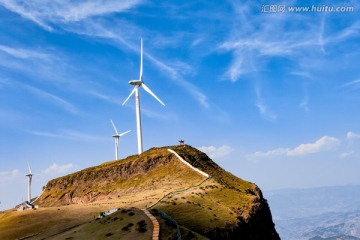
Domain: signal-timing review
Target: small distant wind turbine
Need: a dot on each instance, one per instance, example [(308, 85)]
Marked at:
[(138, 84), (29, 175), (117, 136)]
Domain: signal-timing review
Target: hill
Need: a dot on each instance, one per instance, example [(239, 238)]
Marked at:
[(221, 206)]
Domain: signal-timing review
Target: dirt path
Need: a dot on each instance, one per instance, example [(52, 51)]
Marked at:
[(156, 225)]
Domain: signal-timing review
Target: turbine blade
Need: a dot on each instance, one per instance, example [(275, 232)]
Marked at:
[(122, 134), (141, 60), (132, 92), (29, 168), (114, 126), (151, 93)]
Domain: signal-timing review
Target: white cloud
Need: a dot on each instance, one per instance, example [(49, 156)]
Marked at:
[(272, 153), (352, 136), (216, 152), (323, 144), (346, 154), (55, 169), (4, 176)]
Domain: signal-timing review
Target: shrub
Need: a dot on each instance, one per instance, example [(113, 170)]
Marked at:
[(141, 226)]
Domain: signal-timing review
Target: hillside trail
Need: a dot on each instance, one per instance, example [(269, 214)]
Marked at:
[(156, 225), (177, 192)]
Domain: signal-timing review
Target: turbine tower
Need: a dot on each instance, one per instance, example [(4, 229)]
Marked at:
[(29, 175), (138, 84), (116, 136)]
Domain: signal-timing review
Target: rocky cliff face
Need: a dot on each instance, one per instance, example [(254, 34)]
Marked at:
[(220, 207)]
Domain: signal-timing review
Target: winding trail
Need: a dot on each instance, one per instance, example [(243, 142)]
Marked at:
[(156, 225), (176, 192), (156, 231)]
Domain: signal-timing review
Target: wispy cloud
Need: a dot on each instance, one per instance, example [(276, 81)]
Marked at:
[(56, 100), (323, 144), (53, 98), (68, 134), (346, 33), (304, 104), (355, 84), (352, 136), (304, 74), (63, 11), (180, 80), (253, 39), (346, 154), (165, 116), (56, 169), (217, 152), (70, 16), (25, 60), (23, 53), (5, 176), (252, 47), (263, 109), (173, 70)]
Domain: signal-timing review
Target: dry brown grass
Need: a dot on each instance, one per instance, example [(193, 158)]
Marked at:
[(138, 181)]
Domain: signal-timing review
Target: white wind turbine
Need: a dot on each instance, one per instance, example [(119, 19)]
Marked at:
[(116, 137), (138, 84), (29, 175)]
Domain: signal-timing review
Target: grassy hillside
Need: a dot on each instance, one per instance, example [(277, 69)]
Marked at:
[(44, 222), (220, 207)]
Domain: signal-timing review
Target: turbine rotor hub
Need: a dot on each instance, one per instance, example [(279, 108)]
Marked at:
[(136, 82)]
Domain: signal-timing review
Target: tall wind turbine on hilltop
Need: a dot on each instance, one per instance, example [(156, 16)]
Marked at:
[(116, 136), (29, 175), (138, 84)]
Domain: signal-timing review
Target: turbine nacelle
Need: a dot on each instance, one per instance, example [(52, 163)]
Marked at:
[(136, 82)]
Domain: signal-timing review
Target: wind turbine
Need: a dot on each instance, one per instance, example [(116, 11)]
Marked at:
[(29, 175), (116, 137), (138, 84)]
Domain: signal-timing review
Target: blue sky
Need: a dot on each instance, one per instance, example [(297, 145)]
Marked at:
[(272, 97)]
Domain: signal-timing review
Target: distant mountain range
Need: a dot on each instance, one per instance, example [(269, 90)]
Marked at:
[(325, 213)]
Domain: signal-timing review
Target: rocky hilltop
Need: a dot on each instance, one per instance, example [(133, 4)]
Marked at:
[(220, 206)]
